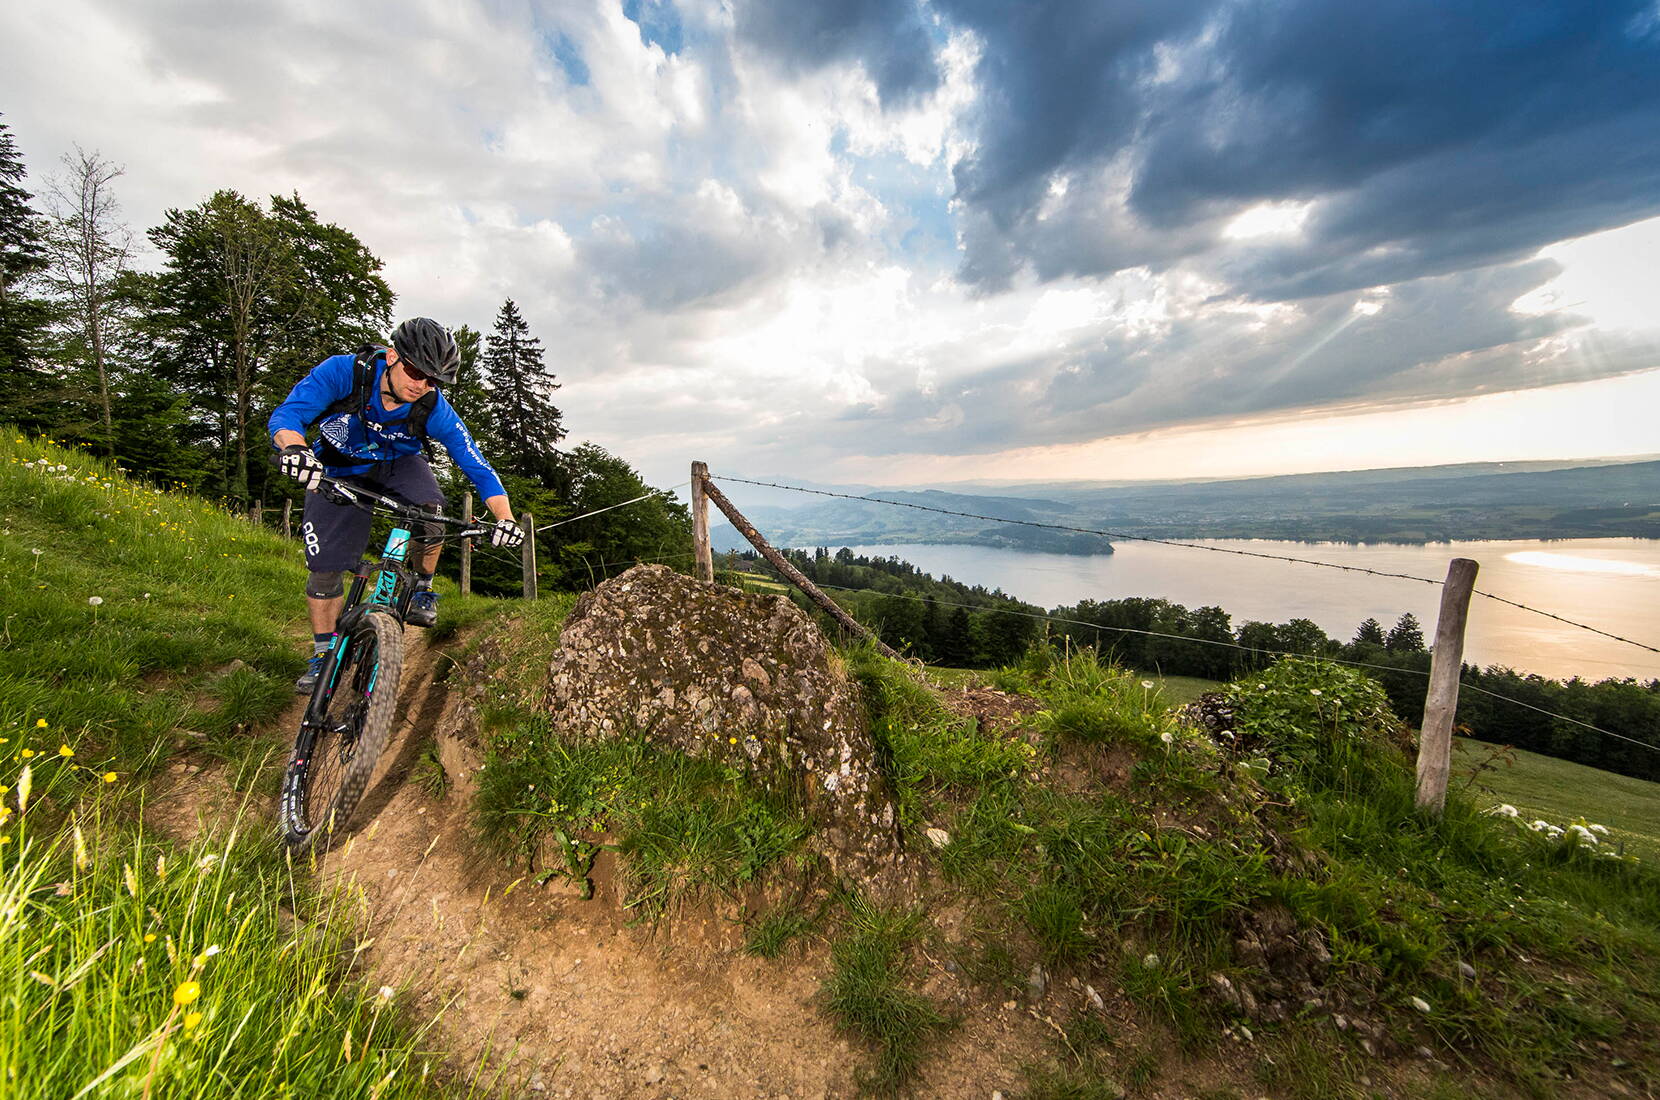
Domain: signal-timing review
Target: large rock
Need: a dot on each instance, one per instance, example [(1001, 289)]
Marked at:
[(712, 671)]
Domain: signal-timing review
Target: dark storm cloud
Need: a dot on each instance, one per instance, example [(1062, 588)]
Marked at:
[(1443, 136), (887, 36)]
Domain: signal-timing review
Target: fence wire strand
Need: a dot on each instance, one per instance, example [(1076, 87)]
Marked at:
[(1193, 546)]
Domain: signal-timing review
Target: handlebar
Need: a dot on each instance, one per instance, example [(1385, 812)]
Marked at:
[(342, 492)]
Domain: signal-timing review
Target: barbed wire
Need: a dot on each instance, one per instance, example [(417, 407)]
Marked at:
[(1247, 649), (1195, 546), (597, 511)]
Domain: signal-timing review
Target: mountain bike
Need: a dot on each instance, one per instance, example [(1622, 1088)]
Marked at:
[(348, 719)]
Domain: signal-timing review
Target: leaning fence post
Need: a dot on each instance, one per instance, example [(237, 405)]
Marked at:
[(792, 574), (1446, 661), (528, 522), (700, 522), (287, 519), (467, 547)]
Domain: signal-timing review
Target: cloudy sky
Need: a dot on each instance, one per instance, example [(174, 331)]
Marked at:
[(923, 241)]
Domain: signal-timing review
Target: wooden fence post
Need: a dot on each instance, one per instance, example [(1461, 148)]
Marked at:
[(467, 547), (257, 513), (287, 519), (528, 549), (1441, 704), (700, 522), (792, 574)]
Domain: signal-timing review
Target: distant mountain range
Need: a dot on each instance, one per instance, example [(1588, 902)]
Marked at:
[(1534, 500)]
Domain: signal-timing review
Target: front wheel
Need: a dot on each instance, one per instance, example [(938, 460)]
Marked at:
[(344, 732)]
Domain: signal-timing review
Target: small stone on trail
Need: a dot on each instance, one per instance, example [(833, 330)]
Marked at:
[(655, 1074), (939, 838), (537, 1084), (1037, 982), (1467, 970), (1425, 1052), (1095, 998)]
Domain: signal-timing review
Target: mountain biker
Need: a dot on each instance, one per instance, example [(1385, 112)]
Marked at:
[(372, 412)]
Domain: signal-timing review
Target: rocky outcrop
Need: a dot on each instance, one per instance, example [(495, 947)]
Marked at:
[(712, 671)]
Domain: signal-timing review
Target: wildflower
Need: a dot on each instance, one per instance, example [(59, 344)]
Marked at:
[(1148, 684), (187, 993), (65, 751), (95, 601), (149, 937), (1420, 1004), (40, 723), (1503, 810), (1167, 737), (1599, 829), (1314, 691), (110, 777), (28, 753), (191, 1019)]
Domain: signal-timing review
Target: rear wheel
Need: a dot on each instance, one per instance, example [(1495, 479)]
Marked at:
[(335, 755)]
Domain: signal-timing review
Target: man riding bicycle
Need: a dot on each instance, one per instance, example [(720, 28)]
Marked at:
[(373, 413)]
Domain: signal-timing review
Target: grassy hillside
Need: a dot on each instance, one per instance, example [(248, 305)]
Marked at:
[(1559, 790), (138, 623)]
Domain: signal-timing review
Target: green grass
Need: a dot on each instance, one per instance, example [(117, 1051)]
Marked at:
[(867, 996), (150, 621), (1560, 791)]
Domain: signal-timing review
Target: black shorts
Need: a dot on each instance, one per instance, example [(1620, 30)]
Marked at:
[(335, 535)]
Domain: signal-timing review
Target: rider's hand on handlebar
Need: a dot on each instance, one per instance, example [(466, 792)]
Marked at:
[(506, 534), (297, 461)]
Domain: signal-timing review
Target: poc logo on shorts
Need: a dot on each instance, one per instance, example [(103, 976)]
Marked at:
[(312, 548)]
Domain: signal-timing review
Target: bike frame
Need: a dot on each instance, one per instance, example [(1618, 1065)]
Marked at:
[(394, 588)]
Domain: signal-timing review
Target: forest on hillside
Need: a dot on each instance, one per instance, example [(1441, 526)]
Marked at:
[(171, 372)]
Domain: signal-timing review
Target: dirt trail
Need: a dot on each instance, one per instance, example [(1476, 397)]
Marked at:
[(557, 995), (565, 998)]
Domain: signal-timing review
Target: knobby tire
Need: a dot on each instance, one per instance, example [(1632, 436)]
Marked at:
[(324, 785)]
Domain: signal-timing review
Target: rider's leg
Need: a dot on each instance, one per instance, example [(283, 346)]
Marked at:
[(334, 537)]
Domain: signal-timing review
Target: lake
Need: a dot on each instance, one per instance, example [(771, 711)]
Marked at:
[(1612, 584)]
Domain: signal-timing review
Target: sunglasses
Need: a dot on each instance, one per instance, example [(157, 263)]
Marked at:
[(416, 373)]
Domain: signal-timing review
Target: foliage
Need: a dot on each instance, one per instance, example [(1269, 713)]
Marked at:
[(133, 966), (28, 389), (526, 427), (247, 301), (867, 996)]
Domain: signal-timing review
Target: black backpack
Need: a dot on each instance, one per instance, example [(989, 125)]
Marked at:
[(363, 382)]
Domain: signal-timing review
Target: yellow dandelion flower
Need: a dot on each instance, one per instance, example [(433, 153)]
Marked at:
[(187, 993), (40, 723), (149, 937), (27, 753), (65, 751), (191, 1019), (110, 777)]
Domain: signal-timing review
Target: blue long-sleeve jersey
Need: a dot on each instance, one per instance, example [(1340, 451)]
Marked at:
[(378, 435)]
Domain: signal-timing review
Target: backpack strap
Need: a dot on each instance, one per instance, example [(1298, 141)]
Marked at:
[(364, 365)]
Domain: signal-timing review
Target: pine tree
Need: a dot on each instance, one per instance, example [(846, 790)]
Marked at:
[(1406, 636), (527, 427), (27, 396), (1369, 633)]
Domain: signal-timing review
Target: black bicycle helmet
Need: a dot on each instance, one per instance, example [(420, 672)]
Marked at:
[(428, 347)]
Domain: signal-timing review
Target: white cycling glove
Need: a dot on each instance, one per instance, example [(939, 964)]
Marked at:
[(300, 464), (506, 534)]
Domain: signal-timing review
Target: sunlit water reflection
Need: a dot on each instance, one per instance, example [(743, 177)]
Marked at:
[(1613, 584)]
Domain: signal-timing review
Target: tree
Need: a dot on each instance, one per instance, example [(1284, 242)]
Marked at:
[(1405, 636), (1370, 632), (89, 248), (527, 425), (244, 303), (23, 317), (590, 550)]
